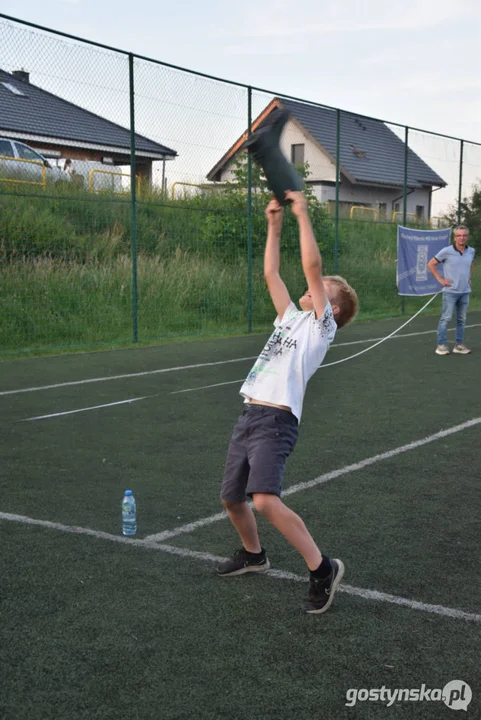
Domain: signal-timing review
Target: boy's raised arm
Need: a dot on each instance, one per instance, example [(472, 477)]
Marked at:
[(310, 255), (272, 259)]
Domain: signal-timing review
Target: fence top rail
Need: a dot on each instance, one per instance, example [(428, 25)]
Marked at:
[(224, 80)]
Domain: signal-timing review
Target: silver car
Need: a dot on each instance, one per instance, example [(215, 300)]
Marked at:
[(19, 163)]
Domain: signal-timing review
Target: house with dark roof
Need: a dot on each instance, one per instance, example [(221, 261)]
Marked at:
[(371, 162), (58, 128)]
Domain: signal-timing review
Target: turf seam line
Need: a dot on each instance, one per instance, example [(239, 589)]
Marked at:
[(191, 527), (79, 410), (193, 367), (273, 573), (207, 387)]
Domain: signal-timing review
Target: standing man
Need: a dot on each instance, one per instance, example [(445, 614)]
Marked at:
[(457, 262)]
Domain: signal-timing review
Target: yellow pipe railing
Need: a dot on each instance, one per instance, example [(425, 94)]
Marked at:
[(374, 212), (408, 215), (202, 187), (110, 172), (25, 182)]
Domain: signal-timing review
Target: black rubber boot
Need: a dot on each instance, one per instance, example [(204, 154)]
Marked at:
[(264, 144)]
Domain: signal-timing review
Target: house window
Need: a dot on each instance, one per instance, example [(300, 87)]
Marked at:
[(396, 207), (297, 154), (13, 89), (6, 149), (419, 213), (382, 209)]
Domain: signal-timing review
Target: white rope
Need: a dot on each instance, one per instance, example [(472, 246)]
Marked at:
[(383, 339)]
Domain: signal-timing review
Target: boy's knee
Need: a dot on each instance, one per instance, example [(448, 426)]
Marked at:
[(232, 506), (264, 503)]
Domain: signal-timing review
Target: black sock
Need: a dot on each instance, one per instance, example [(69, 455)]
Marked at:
[(254, 555), (324, 569)]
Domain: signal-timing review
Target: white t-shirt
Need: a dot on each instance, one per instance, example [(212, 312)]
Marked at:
[(292, 355)]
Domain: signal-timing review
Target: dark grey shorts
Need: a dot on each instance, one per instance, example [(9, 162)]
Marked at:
[(262, 440)]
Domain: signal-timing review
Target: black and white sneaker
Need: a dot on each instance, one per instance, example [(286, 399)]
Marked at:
[(322, 591), (243, 562)]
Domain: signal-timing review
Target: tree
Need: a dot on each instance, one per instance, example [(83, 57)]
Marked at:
[(470, 215)]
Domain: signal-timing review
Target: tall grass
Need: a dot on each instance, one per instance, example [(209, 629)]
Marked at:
[(66, 269), (52, 302)]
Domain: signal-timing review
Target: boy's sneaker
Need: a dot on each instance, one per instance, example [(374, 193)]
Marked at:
[(461, 350), (442, 350), (321, 592), (243, 562)]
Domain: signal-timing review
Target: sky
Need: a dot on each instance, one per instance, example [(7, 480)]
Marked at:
[(414, 62)]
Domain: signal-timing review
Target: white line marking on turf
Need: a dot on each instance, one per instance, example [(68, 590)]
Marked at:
[(93, 407), (207, 387), (125, 376), (385, 597), (76, 530), (193, 367), (276, 574), (190, 527)]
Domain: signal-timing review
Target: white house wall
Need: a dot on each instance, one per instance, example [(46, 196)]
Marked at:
[(322, 169), (320, 166), (374, 196)]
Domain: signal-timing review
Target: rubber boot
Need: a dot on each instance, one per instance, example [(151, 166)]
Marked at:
[(264, 144)]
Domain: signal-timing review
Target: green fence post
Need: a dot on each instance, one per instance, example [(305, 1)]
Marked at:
[(249, 214), (405, 210), (133, 202), (338, 171), (460, 191), (406, 148)]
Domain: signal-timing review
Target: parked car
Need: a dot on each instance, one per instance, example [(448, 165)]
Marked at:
[(13, 165)]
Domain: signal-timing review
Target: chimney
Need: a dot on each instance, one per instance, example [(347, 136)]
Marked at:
[(21, 75)]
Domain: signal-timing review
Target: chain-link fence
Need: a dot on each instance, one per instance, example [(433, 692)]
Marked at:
[(89, 257)]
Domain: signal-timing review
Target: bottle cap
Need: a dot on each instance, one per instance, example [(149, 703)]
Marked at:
[(128, 492)]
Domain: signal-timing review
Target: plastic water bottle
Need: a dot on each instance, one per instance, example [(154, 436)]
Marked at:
[(129, 514)]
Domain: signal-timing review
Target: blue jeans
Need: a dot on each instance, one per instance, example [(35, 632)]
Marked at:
[(460, 301)]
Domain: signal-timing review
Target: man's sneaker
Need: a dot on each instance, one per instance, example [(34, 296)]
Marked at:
[(243, 562), (461, 350), (321, 592), (442, 350)]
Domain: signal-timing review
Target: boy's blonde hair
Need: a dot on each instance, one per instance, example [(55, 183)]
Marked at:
[(346, 298)]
